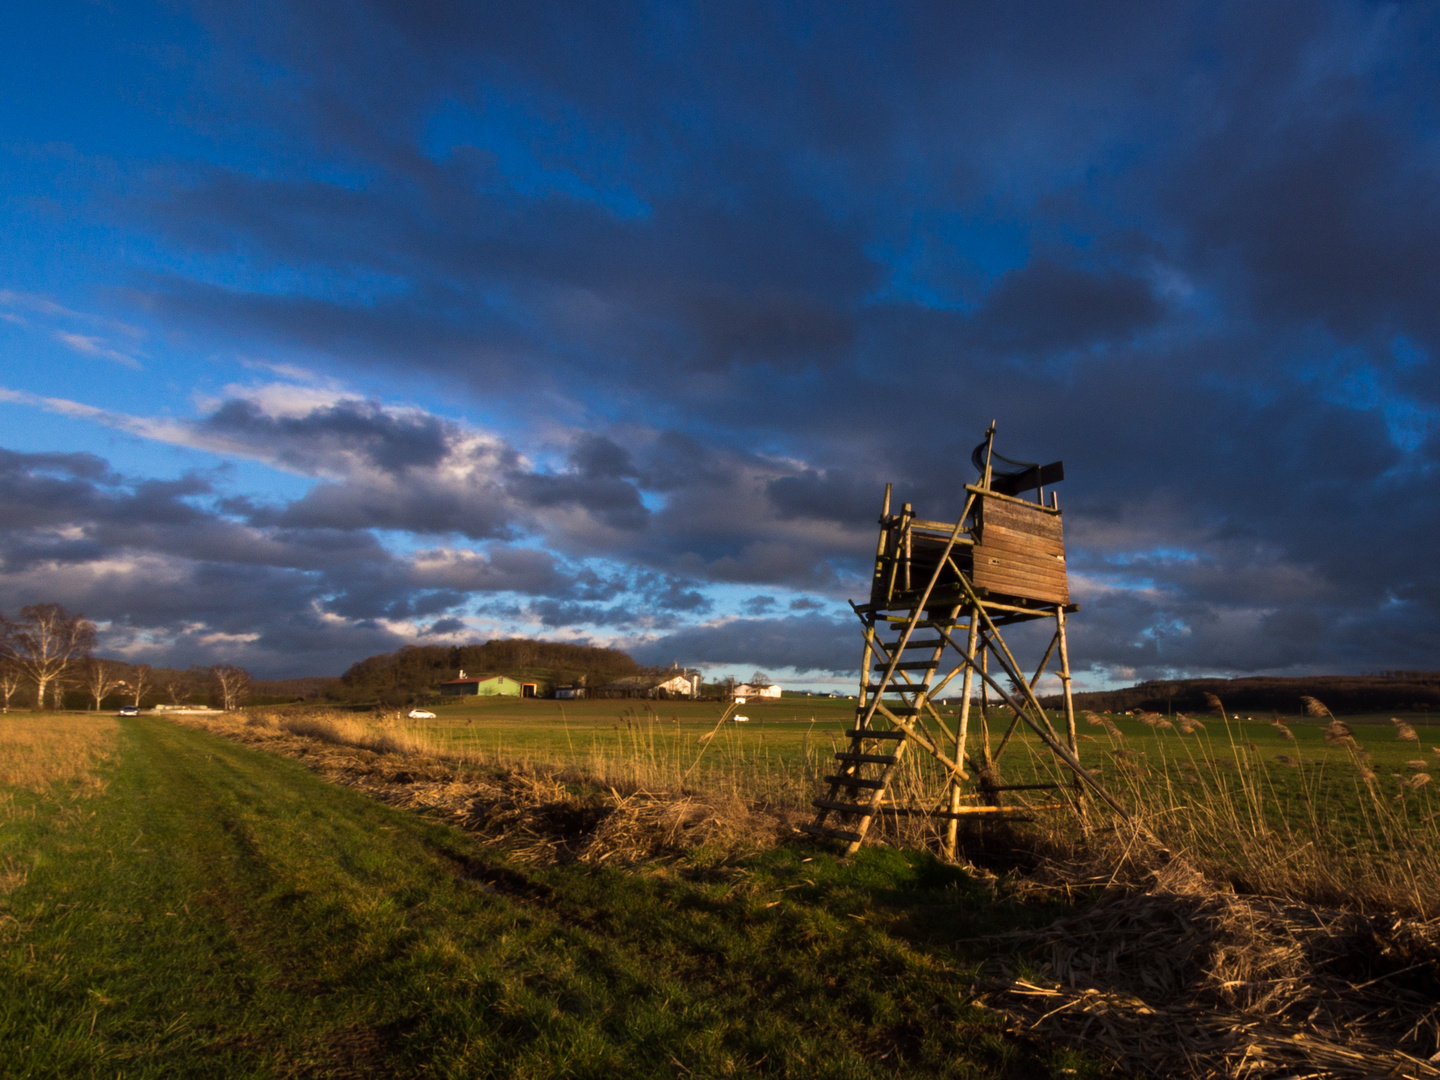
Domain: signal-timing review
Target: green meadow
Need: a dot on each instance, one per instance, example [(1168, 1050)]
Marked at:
[(792, 740), (173, 903), (1264, 805), (177, 905)]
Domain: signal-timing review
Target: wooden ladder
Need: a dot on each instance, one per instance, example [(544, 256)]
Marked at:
[(883, 729)]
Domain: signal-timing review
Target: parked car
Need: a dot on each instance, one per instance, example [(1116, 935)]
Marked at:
[(129, 710), (421, 714), (740, 719)]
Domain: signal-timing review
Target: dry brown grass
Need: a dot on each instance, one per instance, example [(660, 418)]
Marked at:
[(38, 751), (539, 815), (1182, 979), (380, 737)]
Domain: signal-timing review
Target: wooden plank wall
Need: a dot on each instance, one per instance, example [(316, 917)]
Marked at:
[(1021, 552)]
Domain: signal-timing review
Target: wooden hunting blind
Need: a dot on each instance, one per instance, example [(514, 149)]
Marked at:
[(945, 590)]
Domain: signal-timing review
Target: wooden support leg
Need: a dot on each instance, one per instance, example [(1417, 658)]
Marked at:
[(961, 731), (984, 708), (1069, 708)]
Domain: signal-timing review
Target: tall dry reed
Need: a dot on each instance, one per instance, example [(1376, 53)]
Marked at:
[(1310, 830)]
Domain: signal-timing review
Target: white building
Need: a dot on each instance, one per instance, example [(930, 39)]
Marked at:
[(679, 684), (746, 691)]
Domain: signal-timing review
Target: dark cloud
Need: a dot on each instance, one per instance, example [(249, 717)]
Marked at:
[(182, 580), (388, 440), (806, 644), (832, 495), (1045, 306), (727, 270), (721, 518), (403, 505), (1330, 217), (444, 626), (612, 501)]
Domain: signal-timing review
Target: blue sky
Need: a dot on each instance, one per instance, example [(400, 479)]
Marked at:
[(327, 328)]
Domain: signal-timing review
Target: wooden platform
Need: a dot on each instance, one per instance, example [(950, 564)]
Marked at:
[(1020, 551)]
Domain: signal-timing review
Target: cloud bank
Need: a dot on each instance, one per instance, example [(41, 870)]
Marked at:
[(711, 277)]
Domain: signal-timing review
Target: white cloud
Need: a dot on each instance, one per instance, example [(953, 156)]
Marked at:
[(89, 345)]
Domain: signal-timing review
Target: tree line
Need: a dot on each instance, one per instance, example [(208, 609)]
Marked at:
[(415, 671), (1389, 691), (46, 655)]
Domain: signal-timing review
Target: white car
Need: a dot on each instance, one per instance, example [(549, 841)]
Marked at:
[(740, 719), (421, 714)]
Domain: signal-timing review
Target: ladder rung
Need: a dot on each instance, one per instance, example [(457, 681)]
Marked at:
[(874, 733), (928, 643), (894, 688), (857, 809), (915, 665), (964, 811), (833, 834), (878, 759), (854, 781)]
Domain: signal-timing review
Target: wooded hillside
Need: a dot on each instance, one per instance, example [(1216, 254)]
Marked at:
[(1389, 691), (400, 677)]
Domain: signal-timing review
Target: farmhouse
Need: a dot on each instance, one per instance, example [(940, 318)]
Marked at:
[(671, 684), (572, 691), (491, 686), (744, 692)]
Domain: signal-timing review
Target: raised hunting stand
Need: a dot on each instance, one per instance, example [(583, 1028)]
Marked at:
[(953, 585)]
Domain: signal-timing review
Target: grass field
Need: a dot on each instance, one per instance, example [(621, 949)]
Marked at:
[(175, 904), (786, 744), (1262, 806), (790, 730), (179, 905)]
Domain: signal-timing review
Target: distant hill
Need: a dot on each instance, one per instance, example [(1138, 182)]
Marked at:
[(1389, 691), (415, 671)]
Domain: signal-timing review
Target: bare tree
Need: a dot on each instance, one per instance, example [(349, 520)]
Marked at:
[(232, 684), (10, 679), (100, 677), (139, 681), (176, 687), (63, 684), (46, 643), (10, 674)]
